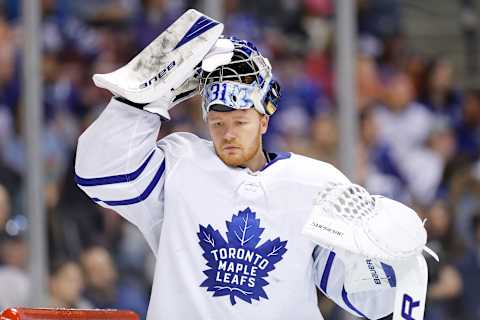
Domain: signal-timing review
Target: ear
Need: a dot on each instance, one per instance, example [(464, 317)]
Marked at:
[(264, 124)]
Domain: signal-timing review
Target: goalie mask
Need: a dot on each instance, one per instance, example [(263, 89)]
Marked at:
[(234, 75)]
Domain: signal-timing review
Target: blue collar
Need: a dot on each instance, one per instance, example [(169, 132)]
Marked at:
[(273, 157)]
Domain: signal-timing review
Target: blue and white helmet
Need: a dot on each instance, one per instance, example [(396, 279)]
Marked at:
[(234, 75)]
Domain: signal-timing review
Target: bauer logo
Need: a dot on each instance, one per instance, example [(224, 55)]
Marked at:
[(373, 272), (239, 266)]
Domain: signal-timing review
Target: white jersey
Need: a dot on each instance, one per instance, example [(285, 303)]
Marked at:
[(227, 240)]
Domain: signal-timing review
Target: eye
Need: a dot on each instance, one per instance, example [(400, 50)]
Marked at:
[(241, 122), (217, 124)]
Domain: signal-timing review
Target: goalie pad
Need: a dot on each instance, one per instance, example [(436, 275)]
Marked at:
[(365, 274), (166, 63), (408, 276)]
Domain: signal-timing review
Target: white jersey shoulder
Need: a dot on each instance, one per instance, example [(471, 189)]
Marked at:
[(185, 144), (309, 170)]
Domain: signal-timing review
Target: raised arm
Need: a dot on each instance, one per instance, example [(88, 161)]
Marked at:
[(118, 163), (119, 166)]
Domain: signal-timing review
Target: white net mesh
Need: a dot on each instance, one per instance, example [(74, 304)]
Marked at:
[(352, 202)]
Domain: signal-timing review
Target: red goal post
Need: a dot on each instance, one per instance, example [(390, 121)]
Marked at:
[(66, 314)]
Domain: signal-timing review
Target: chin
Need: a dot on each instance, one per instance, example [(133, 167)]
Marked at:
[(233, 161), (240, 157)]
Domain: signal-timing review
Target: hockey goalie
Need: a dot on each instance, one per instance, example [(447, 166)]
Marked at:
[(240, 232)]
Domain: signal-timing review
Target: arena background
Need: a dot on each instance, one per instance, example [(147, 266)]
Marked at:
[(390, 93)]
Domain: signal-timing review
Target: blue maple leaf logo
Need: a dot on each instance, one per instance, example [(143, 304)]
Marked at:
[(238, 268)]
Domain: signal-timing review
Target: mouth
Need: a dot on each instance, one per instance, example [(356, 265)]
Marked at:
[(230, 148)]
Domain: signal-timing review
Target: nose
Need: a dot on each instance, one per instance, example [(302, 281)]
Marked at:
[(229, 134)]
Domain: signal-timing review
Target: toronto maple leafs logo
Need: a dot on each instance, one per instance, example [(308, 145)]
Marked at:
[(238, 268)]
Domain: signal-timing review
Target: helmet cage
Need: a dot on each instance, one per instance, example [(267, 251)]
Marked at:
[(247, 67)]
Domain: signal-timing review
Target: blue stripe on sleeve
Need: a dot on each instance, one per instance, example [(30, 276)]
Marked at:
[(349, 304), (88, 182), (326, 271), (144, 195)]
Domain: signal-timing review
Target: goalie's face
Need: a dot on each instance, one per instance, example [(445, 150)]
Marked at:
[(237, 137)]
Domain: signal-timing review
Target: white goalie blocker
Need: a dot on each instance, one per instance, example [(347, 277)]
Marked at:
[(374, 233), (167, 63)]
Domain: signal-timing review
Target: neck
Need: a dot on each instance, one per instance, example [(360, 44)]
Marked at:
[(257, 162)]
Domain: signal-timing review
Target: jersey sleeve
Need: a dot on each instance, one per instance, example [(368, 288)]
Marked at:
[(329, 275), (119, 166)]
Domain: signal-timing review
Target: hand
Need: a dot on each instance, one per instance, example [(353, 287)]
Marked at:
[(165, 68)]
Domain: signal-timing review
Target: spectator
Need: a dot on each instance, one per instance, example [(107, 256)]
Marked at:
[(437, 92), (380, 18), (468, 129), (369, 88), (324, 139), (445, 282), (14, 251), (16, 287), (376, 167), (66, 286), (404, 126), (401, 114), (302, 100), (105, 289), (470, 271)]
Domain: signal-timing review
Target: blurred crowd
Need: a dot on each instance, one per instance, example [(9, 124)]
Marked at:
[(418, 139)]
